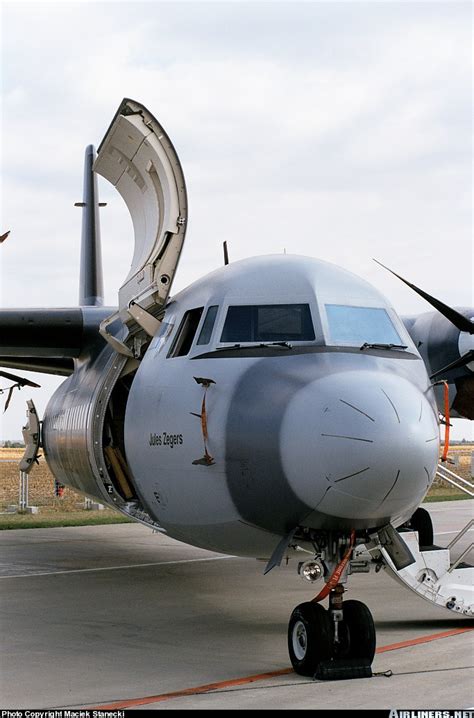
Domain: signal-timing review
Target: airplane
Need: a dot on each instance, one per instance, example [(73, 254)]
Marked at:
[(277, 408)]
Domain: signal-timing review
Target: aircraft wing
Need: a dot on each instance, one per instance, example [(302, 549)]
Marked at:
[(48, 340)]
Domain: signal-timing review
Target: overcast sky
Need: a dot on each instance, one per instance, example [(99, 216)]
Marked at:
[(340, 130)]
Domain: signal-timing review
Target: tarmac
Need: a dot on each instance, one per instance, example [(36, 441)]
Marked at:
[(116, 616)]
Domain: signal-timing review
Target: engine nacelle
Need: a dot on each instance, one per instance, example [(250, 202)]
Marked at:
[(440, 343), (83, 433)]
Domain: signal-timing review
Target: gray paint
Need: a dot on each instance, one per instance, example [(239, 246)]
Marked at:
[(270, 495), (255, 476)]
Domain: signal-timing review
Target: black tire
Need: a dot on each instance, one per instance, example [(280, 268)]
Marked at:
[(359, 629), (309, 637), (421, 522)]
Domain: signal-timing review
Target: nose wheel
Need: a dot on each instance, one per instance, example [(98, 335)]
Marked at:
[(332, 642), (421, 522), (357, 633), (309, 637)]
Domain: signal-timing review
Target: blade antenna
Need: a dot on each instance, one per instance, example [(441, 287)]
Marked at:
[(226, 254)]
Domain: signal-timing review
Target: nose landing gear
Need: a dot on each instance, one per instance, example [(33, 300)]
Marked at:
[(334, 643), (338, 642)]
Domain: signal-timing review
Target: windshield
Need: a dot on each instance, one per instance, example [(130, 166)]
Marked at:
[(355, 326), (268, 323)]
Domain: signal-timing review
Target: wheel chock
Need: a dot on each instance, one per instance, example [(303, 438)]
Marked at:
[(343, 669)]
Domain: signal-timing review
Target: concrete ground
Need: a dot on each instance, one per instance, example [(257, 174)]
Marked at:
[(95, 616)]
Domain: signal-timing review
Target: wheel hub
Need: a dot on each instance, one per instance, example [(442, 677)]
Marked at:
[(300, 640)]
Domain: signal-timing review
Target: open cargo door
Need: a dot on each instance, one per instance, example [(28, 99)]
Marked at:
[(137, 157)]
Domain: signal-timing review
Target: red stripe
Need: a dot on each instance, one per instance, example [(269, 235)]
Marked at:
[(261, 676), (446, 419), (422, 639), (193, 691)]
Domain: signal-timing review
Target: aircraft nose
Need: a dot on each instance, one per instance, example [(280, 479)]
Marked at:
[(360, 445)]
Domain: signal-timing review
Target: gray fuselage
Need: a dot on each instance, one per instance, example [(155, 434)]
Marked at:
[(321, 434)]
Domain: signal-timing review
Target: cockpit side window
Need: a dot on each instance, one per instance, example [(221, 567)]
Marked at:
[(355, 326), (186, 333), (207, 326), (160, 339), (268, 323)]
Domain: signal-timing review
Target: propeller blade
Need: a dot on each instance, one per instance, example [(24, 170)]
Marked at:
[(19, 380), (9, 397), (462, 361), (459, 321)]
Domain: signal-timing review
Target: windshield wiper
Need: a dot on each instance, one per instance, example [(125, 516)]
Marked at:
[(284, 345), (262, 345), (368, 345)]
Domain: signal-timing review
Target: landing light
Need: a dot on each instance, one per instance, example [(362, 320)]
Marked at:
[(311, 570)]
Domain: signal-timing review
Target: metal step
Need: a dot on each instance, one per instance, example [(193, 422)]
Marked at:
[(453, 479), (433, 576)]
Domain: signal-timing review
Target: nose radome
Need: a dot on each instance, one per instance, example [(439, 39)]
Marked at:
[(360, 445)]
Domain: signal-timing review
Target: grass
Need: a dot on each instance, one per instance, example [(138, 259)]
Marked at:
[(445, 493), (54, 520), (446, 497)]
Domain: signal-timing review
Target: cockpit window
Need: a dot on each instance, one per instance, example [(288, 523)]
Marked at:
[(186, 333), (268, 323), (358, 325), (207, 326), (161, 337)]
